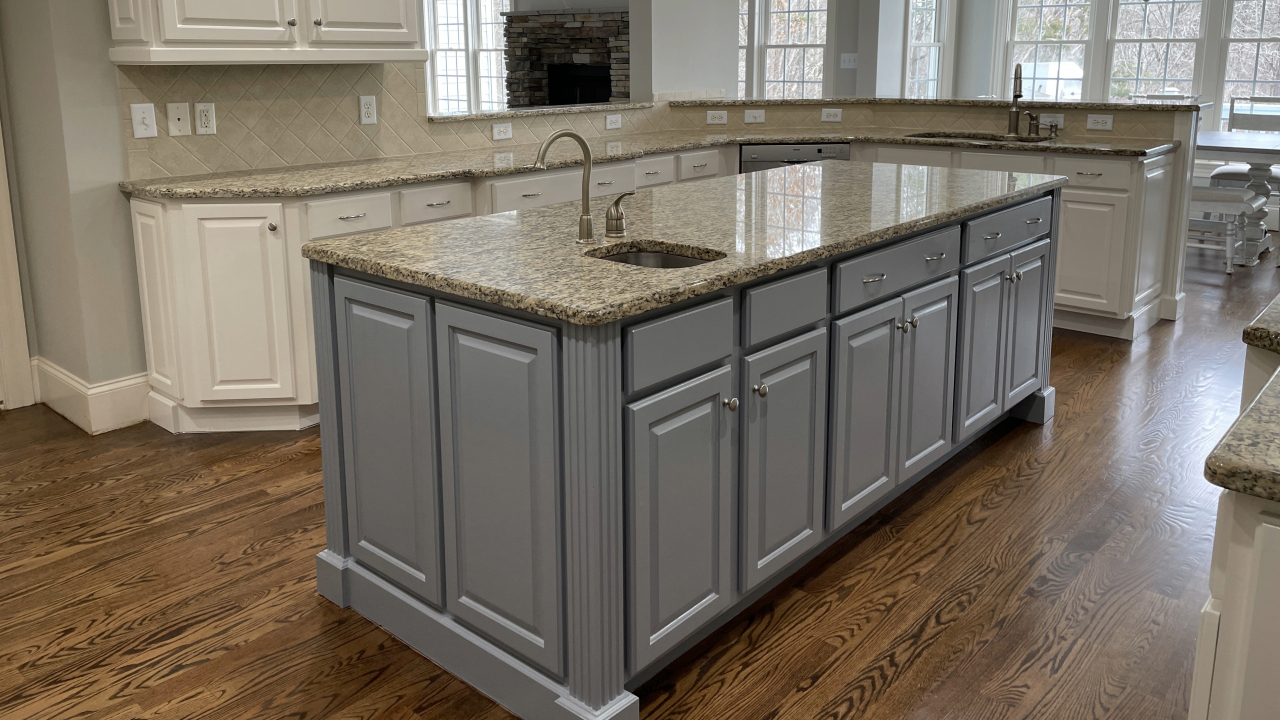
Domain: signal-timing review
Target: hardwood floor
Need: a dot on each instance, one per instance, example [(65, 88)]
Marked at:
[(1049, 572)]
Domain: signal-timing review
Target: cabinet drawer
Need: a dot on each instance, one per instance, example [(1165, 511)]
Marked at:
[(699, 164), (655, 171), (548, 189), (666, 347), (343, 216), (883, 274), (773, 309), (987, 236), (437, 202), (1094, 173)]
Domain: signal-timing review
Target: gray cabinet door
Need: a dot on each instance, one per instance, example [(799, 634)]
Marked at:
[(864, 410), (680, 471), (1027, 323), (784, 454), (499, 461), (388, 435), (928, 376), (983, 293)]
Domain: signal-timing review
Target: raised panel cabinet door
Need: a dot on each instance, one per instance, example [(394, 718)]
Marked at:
[(1157, 190), (365, 21), (155, 283), (1028, 322), (983, 291), (500, 465), (237, 255), (388, 434), (1091, 237), (229, 21), (928, 376), (130, 21), (784, 455), (864, 410), (680, 472)]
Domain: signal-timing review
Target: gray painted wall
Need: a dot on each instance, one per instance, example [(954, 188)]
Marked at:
[(69, 156)]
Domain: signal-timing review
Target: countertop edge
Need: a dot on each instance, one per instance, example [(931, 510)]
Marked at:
[(761, 102)]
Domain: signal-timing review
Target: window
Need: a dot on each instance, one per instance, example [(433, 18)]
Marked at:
[(468, 65), (924, 49), (1051, 38), (1253, 52), (793, 52), (1156, 47)]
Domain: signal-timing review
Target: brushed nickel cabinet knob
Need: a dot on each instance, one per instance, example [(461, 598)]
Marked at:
[(272, 227), (732, 404), (761, 390), (293, 22)]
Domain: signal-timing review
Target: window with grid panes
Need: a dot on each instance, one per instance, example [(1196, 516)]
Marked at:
[(795, 49), (1253, 53), (924, 49), (1051, 39), (1155, 47), (468, 65), (744, 44)]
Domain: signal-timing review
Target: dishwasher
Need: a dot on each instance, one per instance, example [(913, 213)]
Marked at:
[(765, 157)]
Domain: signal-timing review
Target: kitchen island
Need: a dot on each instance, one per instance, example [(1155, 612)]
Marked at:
[(552, 472)]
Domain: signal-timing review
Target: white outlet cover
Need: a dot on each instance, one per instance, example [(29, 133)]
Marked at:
[(613, 148), (1100, 122), (848, 61), (179, 119), (206, 119), (832, 115), (717, 117), (504, 160), (1058, 118), (753, 117), (368, 110), (503, 131), (144, 120), (612, 122)]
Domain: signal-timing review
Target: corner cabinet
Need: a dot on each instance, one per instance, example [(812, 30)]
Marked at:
[(265, 31)]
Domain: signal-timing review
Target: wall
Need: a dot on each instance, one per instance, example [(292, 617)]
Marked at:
[(975, 47), (64, 110), (844, 25), (683, 50)]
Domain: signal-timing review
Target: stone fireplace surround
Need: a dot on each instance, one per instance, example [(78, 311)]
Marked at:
[(538, 38)]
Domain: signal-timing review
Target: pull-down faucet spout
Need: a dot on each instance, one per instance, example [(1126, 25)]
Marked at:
[(1015, 112), (586, 230)]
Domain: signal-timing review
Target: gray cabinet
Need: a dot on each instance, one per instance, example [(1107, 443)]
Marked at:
[(1028, 323), (680, 473), (499, 462), (783, 451), (928, 375), (864, 410), (388, 434)]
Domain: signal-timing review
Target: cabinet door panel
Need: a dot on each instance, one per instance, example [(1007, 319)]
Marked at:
[(228, 21), (155, 280), (388, 433), (1157, 189), (1091, 249), (499, 459), (982, 370), (365, 21), (928, 376), (130, 20), (244, 344), (784, 454), (681, 483), (1027, 323), (865, 408)]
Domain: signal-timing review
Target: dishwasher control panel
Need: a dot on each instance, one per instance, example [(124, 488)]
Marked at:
[(764, 157)]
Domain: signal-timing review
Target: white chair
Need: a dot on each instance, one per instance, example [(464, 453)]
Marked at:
[(1219, 217), (1236, 175)]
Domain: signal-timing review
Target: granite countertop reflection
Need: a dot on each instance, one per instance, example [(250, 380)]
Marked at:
[(761, 223), (1264, 331), (311, 180)]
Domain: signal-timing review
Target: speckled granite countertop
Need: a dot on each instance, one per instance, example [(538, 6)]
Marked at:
[(1031, 105), (530, 260), (1264, 331), (1248, 458), (309, 180)]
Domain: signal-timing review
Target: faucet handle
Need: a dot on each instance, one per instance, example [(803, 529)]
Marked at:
[(615, 220)]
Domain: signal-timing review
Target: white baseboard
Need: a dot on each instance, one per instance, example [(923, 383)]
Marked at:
[(1134, 326), (96, 408), (178, 418)]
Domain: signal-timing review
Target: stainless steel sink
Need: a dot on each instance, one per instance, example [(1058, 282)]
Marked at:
[(651, 259), (992, 137)]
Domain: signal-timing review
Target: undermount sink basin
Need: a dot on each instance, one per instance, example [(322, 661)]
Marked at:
[(651, 259), (993, 137), (656, 255)]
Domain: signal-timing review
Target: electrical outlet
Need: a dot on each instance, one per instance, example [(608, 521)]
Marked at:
[(832, 115), (1058, 118), (613, 148), (753, 117), (368, 110), (717, 117), (503, 131), (144, 120), (1100, 122), (612, 122), (848, 61), (179, 119), (206, 119), (504, 160)]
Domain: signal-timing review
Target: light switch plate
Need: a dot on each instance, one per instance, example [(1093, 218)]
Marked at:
[(753, 117), (502, 131), (848, 61), (179, 119), (612, 122), (717, 117), (1100, 122), (368, 110), (832, 115), (144, 120), (206, 119), (1059, 118)]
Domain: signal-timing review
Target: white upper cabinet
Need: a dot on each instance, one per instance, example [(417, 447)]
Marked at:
[(365, 21), (234, 21), (130, 20)]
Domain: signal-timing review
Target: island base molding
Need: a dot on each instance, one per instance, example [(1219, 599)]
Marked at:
[(178, 418), (1134, 326)]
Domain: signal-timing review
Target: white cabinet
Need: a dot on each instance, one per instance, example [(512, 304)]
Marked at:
[(1091, 249), (364, 21), (234, 21), (130, 20), (1002, 162)]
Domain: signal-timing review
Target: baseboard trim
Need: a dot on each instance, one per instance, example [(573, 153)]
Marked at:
[(1134, 326), (178, 418), (95, 408)]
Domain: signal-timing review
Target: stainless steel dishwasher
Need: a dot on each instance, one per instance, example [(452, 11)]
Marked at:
[(764, 157)]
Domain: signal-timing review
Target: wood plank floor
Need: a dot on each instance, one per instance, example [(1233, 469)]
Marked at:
[(1049, 572)]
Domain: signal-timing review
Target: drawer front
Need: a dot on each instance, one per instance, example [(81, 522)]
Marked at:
[(699, 164), (609, 180), (655, 171), (883, 274), (549, 189), (343, 216), (1094, 173), (437, 202), (1002, 162), (785, 305), (666, 347), (996, 233)]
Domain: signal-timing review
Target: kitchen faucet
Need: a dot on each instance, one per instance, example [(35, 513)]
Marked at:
[(1015, 114), (586, 230)]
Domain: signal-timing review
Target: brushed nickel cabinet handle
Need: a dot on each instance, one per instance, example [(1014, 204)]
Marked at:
[(1035, 221), (876, 279), (762, 390), (608, 183), (699, 167), (732, 404), (654, 172), (1085, 174), (532, 195), (932, 258), (993, 236), (439, 204), (352, 217)]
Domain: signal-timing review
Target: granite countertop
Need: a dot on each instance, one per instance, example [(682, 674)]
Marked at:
[(1264, 331), (974, 102), (530, 259), (1248, 458), (309, 180)]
